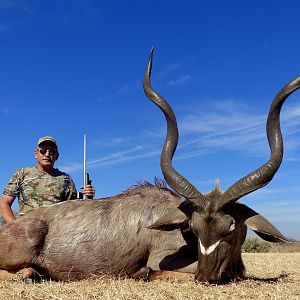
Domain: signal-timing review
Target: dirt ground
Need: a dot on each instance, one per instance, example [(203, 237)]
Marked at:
[(269, 276)]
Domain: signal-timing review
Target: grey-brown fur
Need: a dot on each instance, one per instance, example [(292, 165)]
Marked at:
[(149, 227), (79, 238)]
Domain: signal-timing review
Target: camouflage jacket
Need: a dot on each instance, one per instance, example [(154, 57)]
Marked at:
[(34, 188)]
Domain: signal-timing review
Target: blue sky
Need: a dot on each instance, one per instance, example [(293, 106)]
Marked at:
[(69, 68)]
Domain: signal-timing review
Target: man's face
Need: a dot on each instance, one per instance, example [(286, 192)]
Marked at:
[(46, 155)]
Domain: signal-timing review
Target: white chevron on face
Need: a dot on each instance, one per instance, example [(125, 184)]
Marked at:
[(210, 249)]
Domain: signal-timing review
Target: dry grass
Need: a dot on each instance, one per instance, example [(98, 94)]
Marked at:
[(270, 276), (284, 247)]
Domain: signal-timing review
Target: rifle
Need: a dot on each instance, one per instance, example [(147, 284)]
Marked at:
[(87, 181), (86, 176)]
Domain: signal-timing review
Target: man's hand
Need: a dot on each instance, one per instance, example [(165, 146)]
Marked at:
[(89, 191)]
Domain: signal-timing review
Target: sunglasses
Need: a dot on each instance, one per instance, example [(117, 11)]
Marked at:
[(44, 151)]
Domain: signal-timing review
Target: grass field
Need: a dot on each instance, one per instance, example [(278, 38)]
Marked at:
[(269, 276)]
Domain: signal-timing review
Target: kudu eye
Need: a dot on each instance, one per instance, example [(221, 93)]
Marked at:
[(232, 226)]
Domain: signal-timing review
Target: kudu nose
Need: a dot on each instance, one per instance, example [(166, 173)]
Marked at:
[(208, 278)]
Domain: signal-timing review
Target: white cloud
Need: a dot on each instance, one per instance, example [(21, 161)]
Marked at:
[(85, 7), (181, 80), (280, 211), (238, 128), (115, 141), (14, 13), (116, 155), (135, 153), (169, 69), (123, 90), (123, 158), (5, 111)]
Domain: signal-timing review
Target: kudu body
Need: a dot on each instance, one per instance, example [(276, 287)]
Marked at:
[(148, 227)]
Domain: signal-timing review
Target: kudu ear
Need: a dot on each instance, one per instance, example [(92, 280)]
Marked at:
[(174, 219), (261, 226)]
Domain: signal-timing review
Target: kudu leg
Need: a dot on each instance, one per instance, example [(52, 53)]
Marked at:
[(25, 274), (171, 276), (170, 266), (20, 244), (147, 274)]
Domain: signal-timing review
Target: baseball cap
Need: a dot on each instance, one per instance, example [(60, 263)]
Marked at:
[(47, 138)]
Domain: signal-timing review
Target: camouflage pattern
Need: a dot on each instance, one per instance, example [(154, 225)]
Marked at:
[(34, 188)]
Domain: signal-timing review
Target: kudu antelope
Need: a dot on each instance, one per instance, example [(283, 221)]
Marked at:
[(148, 230)]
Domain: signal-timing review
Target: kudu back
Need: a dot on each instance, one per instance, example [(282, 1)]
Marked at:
[(149, 229)]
